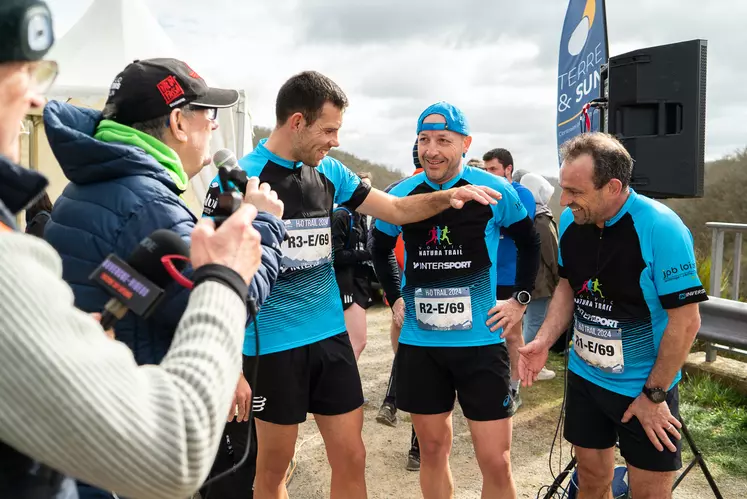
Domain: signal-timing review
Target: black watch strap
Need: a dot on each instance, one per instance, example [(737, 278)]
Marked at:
[(655, 395)]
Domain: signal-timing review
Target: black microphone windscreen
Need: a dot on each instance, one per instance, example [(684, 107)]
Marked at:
[(146, 257), (226, 158)]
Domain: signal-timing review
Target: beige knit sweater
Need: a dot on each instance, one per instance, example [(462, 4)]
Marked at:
[(75, 400)]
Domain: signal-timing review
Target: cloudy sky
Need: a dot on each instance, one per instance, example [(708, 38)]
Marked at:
[(496, 59)]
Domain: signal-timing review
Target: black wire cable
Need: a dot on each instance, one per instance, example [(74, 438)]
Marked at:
[(557, 427), (253, 314)]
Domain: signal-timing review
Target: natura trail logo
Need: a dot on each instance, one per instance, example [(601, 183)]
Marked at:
[(438, 236), (592, 287), (439, 241)]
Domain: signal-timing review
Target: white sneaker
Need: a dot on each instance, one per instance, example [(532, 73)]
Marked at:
[(545, 374)]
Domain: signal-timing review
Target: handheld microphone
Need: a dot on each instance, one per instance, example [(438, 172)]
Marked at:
[(138, 283), (231, 174), (225, 157), (232, 181)]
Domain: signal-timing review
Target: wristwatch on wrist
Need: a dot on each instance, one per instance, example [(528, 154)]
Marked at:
[(523, 297), (655, 395)]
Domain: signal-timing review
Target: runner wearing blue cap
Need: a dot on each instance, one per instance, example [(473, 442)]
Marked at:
[(451, 342)]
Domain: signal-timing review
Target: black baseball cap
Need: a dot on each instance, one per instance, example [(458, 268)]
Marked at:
[(150, 88), (26, 32)]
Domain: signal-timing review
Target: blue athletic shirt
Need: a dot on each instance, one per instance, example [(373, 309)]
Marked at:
[(625, 276), (449, 278), (304, 306), (507, 249)]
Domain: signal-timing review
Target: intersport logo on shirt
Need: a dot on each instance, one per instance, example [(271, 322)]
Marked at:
[(688, 294), (602, 321), (441, 265)]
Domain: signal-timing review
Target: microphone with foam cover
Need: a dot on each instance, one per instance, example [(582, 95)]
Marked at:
[(225, 157), (231, 175)]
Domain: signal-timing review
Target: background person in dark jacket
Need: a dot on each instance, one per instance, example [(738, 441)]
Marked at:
[(37, 216), (547, 276), (128, 169), (353, 269)]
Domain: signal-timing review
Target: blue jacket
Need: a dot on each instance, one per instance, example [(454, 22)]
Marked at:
[(507, 248), (118, 195)]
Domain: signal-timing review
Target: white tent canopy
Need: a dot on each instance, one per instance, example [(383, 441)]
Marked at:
[(110, 35)]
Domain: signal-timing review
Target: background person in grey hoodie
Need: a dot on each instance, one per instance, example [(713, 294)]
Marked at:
[(547, 276)]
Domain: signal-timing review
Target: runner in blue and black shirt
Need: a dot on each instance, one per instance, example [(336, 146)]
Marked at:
[(306, 361), (628, 281), (450, 344)]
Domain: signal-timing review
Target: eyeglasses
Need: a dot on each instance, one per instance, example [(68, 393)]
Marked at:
[(212, 113), (43, 74)]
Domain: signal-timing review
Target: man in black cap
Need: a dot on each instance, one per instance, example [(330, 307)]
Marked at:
[(128, 169), (73, 402)]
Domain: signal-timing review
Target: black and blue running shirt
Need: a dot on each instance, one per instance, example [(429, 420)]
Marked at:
[(304, 306), (625, 276), (449, 278)]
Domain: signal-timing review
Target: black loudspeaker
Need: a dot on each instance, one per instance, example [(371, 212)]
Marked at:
[(657, 104)]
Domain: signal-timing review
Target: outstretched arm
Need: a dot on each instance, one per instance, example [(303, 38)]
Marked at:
[(411, 209)]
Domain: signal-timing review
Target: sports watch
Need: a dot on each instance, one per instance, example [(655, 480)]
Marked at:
[(655, 395), (523, 297)]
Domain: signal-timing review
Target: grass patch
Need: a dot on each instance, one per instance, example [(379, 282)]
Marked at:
[(716, 416)]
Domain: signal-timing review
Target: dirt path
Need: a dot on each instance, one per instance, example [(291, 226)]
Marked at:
[(534, 427)]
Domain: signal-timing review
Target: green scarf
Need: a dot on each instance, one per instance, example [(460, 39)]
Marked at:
[(110, 131)]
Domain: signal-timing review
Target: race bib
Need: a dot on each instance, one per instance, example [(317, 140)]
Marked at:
[(309, 243), (599, 347), (443, 309)]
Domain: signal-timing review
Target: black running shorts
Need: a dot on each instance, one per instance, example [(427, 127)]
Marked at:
[(320, 378), (593, 418), (357, 290), (429, 378)]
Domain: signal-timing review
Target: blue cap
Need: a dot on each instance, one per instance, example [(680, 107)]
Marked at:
[(455, 119)]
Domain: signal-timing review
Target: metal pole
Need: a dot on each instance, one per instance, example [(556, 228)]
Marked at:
[(737, 265), (711, 353), (717, 257), (241, 125), (715, 285)]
